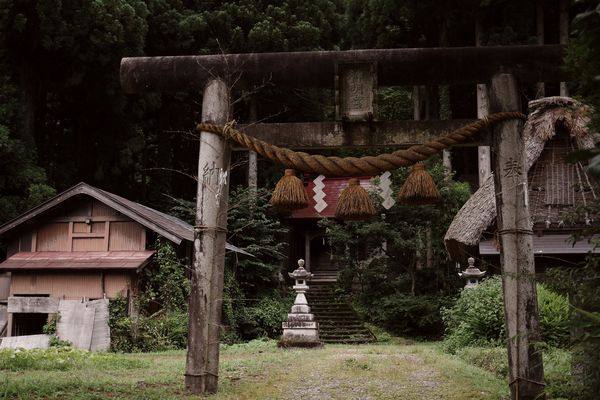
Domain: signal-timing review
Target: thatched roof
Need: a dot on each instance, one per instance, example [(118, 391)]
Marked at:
[(479, 211)]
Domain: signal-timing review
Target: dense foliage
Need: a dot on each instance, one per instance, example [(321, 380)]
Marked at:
[(557, 368), (477, 317), (386, 258), (254, 304), (583, 54)]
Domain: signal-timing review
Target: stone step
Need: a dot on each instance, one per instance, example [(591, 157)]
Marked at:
[(345, 336), (338, 322), (350, 325)]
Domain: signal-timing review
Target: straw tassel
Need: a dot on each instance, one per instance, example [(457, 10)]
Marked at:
[(419, 188), (289, 193), (355, 202)]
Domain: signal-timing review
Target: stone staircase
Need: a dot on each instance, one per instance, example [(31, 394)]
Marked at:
[(338, 322)]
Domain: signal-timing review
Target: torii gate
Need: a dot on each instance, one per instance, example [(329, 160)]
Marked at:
[(498, 66)]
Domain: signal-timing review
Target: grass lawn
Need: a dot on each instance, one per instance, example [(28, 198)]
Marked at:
[(256, 370)]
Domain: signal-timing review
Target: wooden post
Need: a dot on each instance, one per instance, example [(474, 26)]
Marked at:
[(516, 241), (563, 35), (209, 246), (484, 162), (307, 237), (539, 26), (252, 157)]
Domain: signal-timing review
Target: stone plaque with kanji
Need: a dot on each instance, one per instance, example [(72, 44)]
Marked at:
[(355, 94)]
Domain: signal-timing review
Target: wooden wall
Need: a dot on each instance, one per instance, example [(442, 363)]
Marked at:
[(71, 284), (83, 225), (79, 224)]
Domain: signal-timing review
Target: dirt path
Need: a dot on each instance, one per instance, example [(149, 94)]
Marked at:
[(365, 372)]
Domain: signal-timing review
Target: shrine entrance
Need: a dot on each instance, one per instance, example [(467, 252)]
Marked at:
[(356, 75)]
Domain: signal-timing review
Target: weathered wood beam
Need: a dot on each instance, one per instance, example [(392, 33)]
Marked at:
[(526, 370), (323, 135), (206, 296), (418, 66)]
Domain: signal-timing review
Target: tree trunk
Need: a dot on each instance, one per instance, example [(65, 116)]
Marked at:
[(202, 364), (516, 240)]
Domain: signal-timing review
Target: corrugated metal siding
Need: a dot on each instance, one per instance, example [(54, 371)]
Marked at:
[(77, 260), (102, 210), (125, 236), (30, 284), (80, 227), (62, 285), (547, 244), (53, 237), (88, 244), (4, 285), (98, 227), (13, 247), (77, 285), (116, 284)]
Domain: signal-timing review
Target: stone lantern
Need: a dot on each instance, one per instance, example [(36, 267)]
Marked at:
[(472, 274), (300, 329)]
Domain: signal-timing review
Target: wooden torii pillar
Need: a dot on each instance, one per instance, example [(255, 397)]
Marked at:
[(467, 65)]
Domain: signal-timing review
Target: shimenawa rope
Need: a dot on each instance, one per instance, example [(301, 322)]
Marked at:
[(352, 166)]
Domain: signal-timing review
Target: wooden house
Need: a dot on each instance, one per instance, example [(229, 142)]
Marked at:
[(556, 189), (84, 243)]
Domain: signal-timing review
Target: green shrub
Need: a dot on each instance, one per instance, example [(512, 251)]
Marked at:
[(477, 317), (554, 317), (405, 314), (492, 359), (158, 332), (264, 318), (557, 367), (557, 374), (164, 330)]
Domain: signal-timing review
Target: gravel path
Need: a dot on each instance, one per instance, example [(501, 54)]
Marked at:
[(359, 375)]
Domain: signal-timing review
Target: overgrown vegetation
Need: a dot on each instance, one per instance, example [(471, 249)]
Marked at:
[(557, 368), (477, 317), (161, 320), (254, 299), (396, 261)]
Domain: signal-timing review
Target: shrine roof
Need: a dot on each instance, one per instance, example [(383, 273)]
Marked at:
[(332, 189)]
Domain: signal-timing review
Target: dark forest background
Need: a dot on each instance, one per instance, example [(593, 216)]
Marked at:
[(64, 118)]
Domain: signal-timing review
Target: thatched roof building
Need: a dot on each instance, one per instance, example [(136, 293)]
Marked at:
[(556, 126)]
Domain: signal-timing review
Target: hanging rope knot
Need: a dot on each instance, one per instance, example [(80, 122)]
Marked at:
[(229, 129)]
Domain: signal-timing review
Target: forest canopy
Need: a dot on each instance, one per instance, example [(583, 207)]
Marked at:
[(64, 118)]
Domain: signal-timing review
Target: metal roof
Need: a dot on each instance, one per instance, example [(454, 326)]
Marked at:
[(166, 225), (548, 244), (332, 189), (89, 260)]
